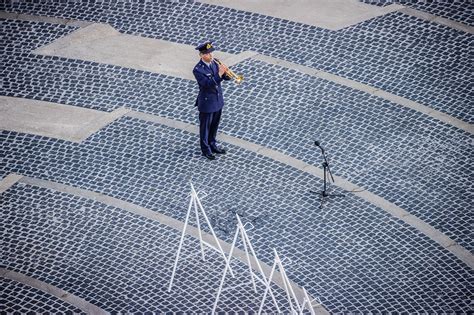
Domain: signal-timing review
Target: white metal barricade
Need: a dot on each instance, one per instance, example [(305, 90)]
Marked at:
[(295, 306), (195, 202), (247, 245)]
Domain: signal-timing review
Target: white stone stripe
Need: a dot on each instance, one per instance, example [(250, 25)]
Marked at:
[(102, 43), (75, 301), (98, 123), (426, 229), (45, 19), (437, 19), (70, 123), (166, 220), (370, 90), (328, 14), (8, 181)]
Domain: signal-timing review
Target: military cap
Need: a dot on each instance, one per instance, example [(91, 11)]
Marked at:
[(205, 47)]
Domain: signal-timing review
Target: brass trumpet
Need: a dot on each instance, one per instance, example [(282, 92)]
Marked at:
[(238, 78)]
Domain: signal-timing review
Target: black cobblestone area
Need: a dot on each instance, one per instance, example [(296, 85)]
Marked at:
[(410, 159), (18, 298), (456, 10), (380, 3), (118, 261), (388, 149), (352, 255), (100, 87), (421, 61), (82, 83), (22, 37)]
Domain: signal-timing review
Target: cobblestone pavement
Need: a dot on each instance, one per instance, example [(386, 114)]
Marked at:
[(351, 254), (460, 11), (21, 299), (385, 52), (118, 261), (392, 151), (133, 164)]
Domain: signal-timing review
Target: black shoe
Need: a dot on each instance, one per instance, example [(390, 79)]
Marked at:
[(218, 151), (210, 156)]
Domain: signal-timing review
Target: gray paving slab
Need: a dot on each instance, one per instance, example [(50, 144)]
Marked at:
[(456, 11), (192, 127), (436, 235), (9, 181), (53, 120), (329, 14), (103, 44)]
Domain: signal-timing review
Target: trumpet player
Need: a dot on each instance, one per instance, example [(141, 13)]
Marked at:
[(210, 101)]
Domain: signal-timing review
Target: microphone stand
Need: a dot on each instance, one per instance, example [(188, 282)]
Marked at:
[(326, 170)]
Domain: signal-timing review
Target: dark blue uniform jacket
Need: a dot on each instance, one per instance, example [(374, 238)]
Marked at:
[(210, 97)]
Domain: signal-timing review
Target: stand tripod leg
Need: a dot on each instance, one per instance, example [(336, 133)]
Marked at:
[(323, 193), (325, 179)]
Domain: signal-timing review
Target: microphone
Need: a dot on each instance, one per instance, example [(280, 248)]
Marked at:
[(318, 144)]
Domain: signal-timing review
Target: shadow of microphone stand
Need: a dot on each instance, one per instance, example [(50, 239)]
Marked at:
[(326, 171)]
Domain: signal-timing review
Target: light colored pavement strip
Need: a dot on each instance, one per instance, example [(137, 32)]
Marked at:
[(370, 90), (437, 236), (55, 291), (166, 220), (9, 181), (328, 14), (437, 19), (103, 44), (71, 123)]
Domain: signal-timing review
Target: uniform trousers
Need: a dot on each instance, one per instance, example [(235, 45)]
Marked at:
[(208, 124)]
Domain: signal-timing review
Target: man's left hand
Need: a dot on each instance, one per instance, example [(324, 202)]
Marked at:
[(222, 69)]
